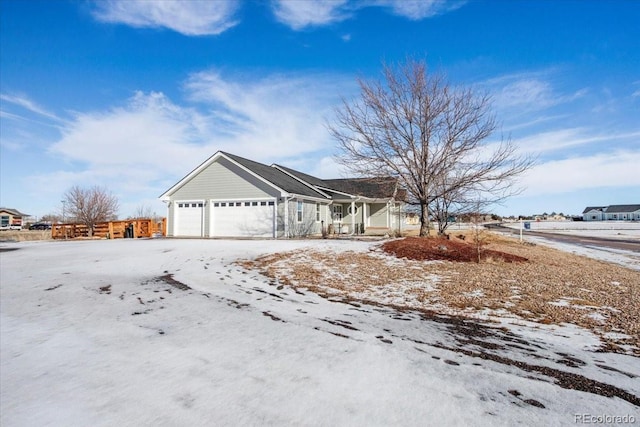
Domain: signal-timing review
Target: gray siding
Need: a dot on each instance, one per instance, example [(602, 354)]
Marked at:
[(308, 225), (378, 215), (224, 180), (221, 180)]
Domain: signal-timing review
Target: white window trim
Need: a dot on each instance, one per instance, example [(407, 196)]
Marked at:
[(318, 212), (334, 212), (299, 211)]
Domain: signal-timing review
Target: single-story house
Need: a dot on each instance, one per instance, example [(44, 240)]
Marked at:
[(612, 213), (11, 218), (230, 196)]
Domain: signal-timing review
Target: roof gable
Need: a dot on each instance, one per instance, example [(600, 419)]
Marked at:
[(271, 176), (291, 181), (594, 208)]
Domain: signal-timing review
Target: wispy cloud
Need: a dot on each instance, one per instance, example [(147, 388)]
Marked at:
[(28, 104), (300, 14), (529, 93), (419, 9), (143, 146), (189, 17), (561, 139), (613, 169), (274, 117)]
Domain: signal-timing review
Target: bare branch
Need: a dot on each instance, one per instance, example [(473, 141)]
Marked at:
[(415, 126)]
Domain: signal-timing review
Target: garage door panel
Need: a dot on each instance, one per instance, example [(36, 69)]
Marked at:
[(189, 217), (243, 219)]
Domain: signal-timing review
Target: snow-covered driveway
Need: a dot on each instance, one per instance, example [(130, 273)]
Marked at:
[(172, 332)]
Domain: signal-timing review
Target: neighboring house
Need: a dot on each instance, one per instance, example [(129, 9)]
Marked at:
[(11, 219), (230, 196), (612, 213)]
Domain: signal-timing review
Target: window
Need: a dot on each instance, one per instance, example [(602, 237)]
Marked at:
[(270, 203), (200, 205), (352, 211), (4, 220), (223, 204), (254, 203), (337, 212), (247, 203), (299, 211), (180, 205), (317, 212), (193, 205), (215, 205), (238, 203), (263, 203)]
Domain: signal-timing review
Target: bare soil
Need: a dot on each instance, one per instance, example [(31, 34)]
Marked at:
[(520, 281)]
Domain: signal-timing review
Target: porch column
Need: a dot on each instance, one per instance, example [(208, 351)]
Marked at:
[(353, 217)]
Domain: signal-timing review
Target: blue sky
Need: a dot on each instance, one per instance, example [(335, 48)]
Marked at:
[(132, 95)]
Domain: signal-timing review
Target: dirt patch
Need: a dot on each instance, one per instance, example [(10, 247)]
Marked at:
[(457, 250), (552, 287), (169, 280)]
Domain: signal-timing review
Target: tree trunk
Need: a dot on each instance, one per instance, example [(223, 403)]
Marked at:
[(424, 219)]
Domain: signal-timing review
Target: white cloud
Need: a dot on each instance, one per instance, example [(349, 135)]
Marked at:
[(149, 130), (189, 17), (419, 9), (274, 117), (615, 169), (300, 14), (141, 148)]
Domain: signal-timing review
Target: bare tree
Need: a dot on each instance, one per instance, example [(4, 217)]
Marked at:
[(145, 212), (416, 126), (90, 205)]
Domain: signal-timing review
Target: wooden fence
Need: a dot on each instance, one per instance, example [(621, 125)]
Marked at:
[(133, 228)]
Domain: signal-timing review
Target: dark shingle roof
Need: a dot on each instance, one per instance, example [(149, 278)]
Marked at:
[(276, 177), (375, 188), (14, 212), (594, 208), (303, 176), (622, 208)]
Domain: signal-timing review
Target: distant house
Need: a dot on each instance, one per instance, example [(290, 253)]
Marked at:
[(11, 219), (612, 213), (230, 196)]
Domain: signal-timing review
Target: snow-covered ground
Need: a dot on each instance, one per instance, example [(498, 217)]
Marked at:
[(606, 229), (172, 332), (628, 230)]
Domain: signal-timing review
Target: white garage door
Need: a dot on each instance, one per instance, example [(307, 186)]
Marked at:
[(189, 219), (254, 218)]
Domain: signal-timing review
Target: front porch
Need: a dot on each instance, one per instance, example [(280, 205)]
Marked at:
[(364, 217)]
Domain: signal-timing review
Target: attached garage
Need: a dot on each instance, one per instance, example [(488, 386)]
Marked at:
[(189, 218), (247, 218)]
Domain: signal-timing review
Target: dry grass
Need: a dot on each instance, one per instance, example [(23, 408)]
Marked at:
[(553, 287)]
